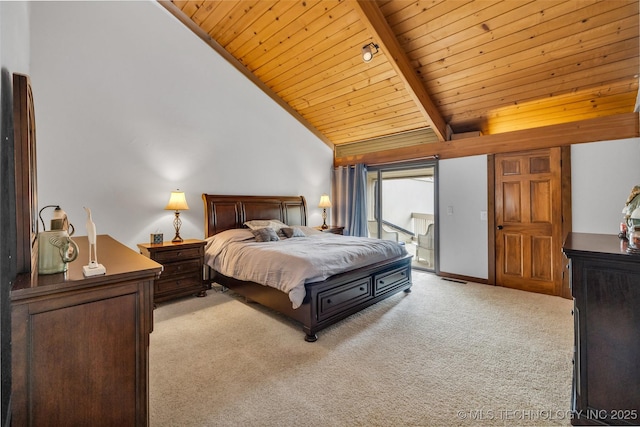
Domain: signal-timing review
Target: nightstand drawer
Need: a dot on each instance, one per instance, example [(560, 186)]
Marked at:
[(193, 280), (176, 255), (177, 268)]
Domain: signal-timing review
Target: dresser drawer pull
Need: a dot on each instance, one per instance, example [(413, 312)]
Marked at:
[(382, 282), (362, 288), (328, 301)]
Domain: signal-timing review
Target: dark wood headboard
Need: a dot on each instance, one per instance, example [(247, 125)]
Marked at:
[(222, 212)]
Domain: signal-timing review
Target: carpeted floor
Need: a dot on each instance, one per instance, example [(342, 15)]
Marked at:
[(445, 354)]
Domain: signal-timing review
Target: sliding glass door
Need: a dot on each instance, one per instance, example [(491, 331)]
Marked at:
[(402, 206)]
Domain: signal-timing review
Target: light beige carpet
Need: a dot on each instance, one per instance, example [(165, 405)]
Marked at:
[(445, 354)]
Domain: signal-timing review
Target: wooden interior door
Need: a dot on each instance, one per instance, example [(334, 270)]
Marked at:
[(528, 218)]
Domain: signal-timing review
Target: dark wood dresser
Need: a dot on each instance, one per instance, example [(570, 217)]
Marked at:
[(183, 268), (80, 345), (605, 284)]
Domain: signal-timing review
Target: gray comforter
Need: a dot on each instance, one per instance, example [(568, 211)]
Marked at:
[(288, 264)]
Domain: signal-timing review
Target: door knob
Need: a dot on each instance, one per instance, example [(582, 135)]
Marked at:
[(500, 227)]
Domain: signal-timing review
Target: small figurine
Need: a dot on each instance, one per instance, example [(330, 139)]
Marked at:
[(93, 269)]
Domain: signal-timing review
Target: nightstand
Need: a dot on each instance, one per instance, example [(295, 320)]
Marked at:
[(332, 229), (183, 265)]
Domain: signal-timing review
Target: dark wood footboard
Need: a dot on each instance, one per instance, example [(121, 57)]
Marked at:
[(334, 299)]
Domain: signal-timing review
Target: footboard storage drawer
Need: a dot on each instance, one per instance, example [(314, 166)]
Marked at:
[(391, 279), (336, 300)]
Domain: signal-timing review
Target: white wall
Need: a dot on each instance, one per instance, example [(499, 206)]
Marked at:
[(602, 176), (463, 234), (14, 36), (131, 105)]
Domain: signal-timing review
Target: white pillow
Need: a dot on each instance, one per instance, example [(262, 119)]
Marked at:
[(263, 223), (234, 235), (309, 230)]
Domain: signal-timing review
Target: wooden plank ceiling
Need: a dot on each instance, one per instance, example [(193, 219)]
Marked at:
[(443, 66)]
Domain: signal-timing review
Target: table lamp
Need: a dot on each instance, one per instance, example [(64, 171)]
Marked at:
[(177, 202), (324, 204)]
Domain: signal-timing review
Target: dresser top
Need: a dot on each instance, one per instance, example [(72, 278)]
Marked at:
[(121, 263), (592, 244)]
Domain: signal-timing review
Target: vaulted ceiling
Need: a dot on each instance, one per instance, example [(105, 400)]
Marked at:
[(444, 69)]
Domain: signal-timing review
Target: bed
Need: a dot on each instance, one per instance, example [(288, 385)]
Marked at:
[(323, 302)]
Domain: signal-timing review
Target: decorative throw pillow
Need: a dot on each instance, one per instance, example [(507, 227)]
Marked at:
[(292, 232), (265, 234)]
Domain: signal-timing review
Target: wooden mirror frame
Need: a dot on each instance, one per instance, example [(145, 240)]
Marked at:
[(25, 175)]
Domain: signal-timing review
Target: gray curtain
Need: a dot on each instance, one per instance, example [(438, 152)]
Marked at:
[(349, 196)]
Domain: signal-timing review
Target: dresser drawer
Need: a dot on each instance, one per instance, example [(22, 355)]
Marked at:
[(336, 300), (391, 279), (178, 268), (176, 255)]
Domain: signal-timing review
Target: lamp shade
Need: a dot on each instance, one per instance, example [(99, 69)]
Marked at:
[(177, 202), (324, 201)]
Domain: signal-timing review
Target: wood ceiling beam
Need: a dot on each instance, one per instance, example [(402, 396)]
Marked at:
[(608, 128), (376, 23)]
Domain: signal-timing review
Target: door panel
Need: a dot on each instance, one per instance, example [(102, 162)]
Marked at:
[(513, 204), (528, 212), (513, 254), (541, 252), (540, 202)]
